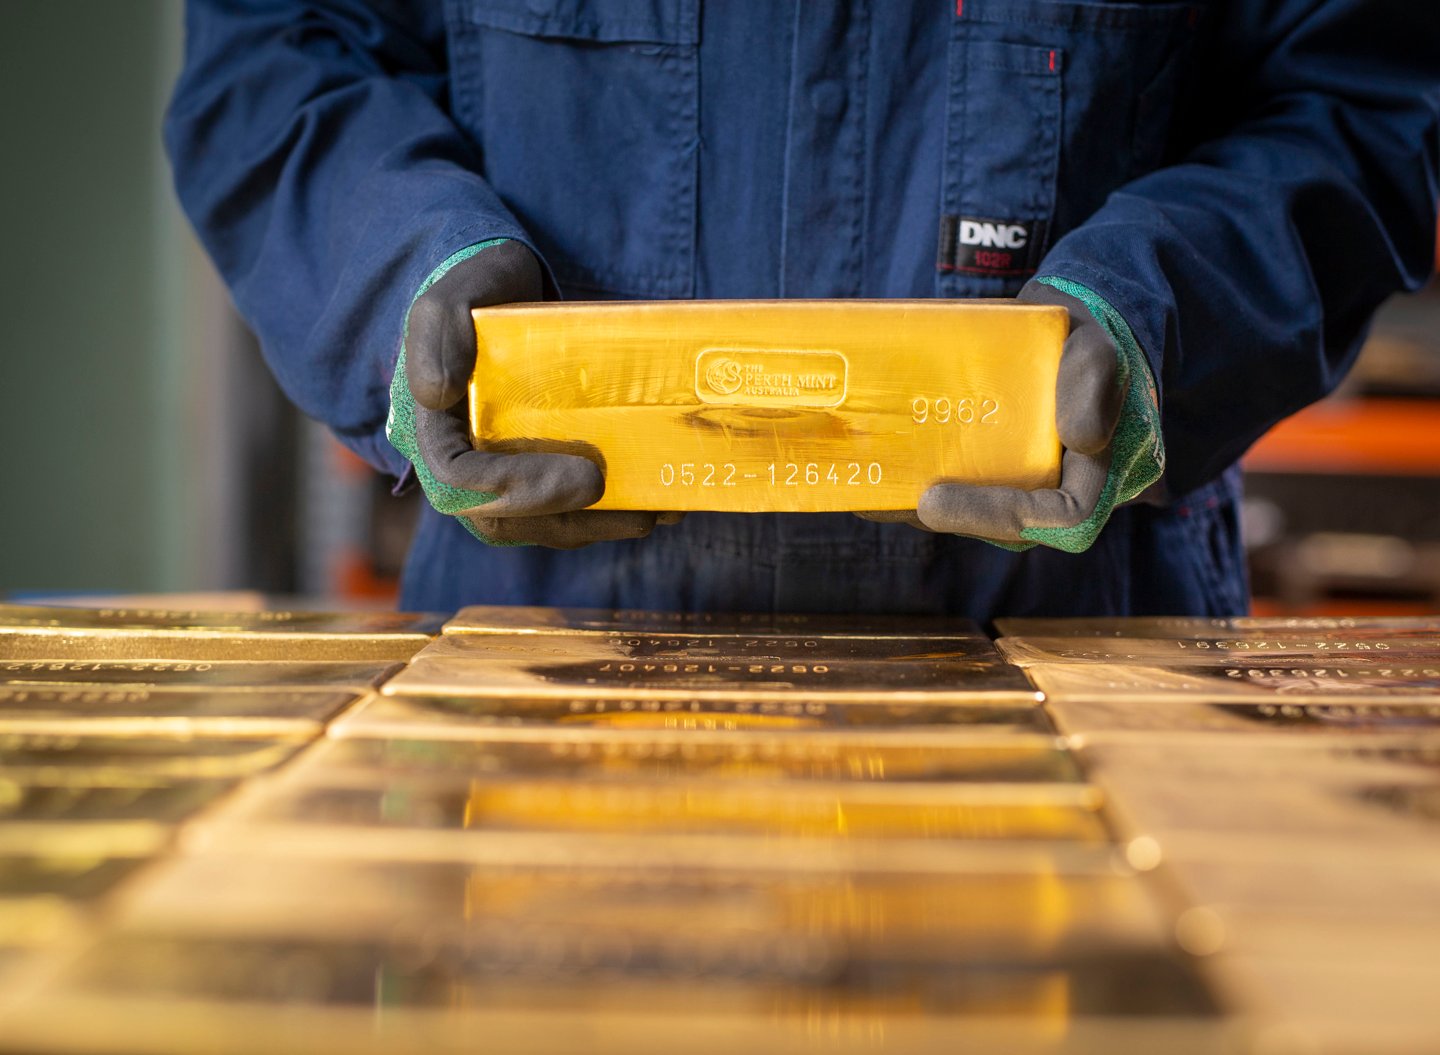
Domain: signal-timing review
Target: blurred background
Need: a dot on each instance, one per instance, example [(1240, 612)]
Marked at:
[(149, 450)]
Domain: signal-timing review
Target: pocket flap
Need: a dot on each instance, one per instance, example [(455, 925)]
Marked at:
[(600, 21)]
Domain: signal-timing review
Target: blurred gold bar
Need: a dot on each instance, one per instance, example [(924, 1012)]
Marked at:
[(1243, 629), (262, 624), (1017, 915), (1210, 651), (796, 810), (73, 877), (1141, 718), (533, 665), (121, 710), (799, 992), (60, 760), (1299, 680), (164, 802), (256, 676), (519, 619), (1014, 760), (465, 717), (181, 646), (775, 406)]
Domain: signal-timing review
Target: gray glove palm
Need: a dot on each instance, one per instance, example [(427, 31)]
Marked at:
[(506, 499), (1107, 416)]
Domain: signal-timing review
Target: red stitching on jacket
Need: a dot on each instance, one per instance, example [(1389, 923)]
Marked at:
[(1052, 61), (959, 8)]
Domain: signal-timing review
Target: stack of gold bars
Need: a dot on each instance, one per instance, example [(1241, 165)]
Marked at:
[(552, 830), (1286, 774)]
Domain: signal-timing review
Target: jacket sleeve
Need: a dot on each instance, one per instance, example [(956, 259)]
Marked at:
[(1304, 193), (314, 155)]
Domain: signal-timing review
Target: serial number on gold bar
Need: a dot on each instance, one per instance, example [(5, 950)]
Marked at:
[(755, 406)]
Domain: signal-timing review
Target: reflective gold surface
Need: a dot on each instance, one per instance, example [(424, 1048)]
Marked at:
[(1199, 626), (64, 758), (469, 716), (1019, 915), (144, 711), (1303, 678), (267, 624), (98, 800), (1423, 649), (1282, 717), (630, 831), (1019, 760), (512, 619), (799, 810), (535, 665), (194, 674), (753, 406), (164, 645)]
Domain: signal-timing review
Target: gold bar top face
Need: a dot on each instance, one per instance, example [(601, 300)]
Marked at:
[(775, 406)]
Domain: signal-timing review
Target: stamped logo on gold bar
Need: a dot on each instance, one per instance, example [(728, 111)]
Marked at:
[(770, 378)]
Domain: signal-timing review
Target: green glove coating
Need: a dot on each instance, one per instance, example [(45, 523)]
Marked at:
[(1137, 450), (400, 424)]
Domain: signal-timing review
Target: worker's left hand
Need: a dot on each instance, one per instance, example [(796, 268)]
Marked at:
[(1108, 418)]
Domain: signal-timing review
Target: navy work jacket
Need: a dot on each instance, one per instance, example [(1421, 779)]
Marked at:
[(1244, 180)]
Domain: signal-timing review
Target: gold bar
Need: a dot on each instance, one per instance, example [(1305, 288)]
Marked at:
[(1018, 760), (1190, 628), (176, 647), (164, 802), (1291, 681), (140, 710), (464, 717), (206, 675), (538, 986), (798, 810), (73, 877), (531, 665), (775, 406), (1112, 718), (79, 760), (1018, 916), (515, 619), (266, 624), (1271, 649)]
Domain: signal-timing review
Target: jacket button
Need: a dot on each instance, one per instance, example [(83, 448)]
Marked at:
[(827, 98)]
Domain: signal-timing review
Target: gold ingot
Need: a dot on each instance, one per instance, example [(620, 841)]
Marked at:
[(466, 717), (775, 406), (130, 710), (267, 624), (1297, 680), (1009, 760), (521, 619), (1141, 720), (1020, 915), (596, 666), (817, 810), (200, 675), (1269, 650)]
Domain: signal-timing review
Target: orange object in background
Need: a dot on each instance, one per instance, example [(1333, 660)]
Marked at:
[(1378, 437)]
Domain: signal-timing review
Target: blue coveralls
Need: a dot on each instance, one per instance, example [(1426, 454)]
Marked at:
[(1243, 181)]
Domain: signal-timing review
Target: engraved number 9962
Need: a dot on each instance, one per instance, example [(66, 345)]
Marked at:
[(962, 411)]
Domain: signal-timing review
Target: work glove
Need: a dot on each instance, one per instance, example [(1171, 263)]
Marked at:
[(502, 499), (1108, 415)]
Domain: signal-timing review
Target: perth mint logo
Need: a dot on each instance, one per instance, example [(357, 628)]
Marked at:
[(771, 378), (724, 376)]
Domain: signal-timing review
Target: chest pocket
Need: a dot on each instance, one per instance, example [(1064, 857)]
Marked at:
[(586, 113), (1051, 106)]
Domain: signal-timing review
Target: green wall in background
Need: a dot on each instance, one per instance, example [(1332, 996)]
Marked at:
[(93, 302)]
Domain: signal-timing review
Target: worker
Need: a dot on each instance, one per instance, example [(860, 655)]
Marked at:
[(1219, 192)]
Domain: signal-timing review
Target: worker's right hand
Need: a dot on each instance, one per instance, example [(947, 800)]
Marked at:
[(504, 499)]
